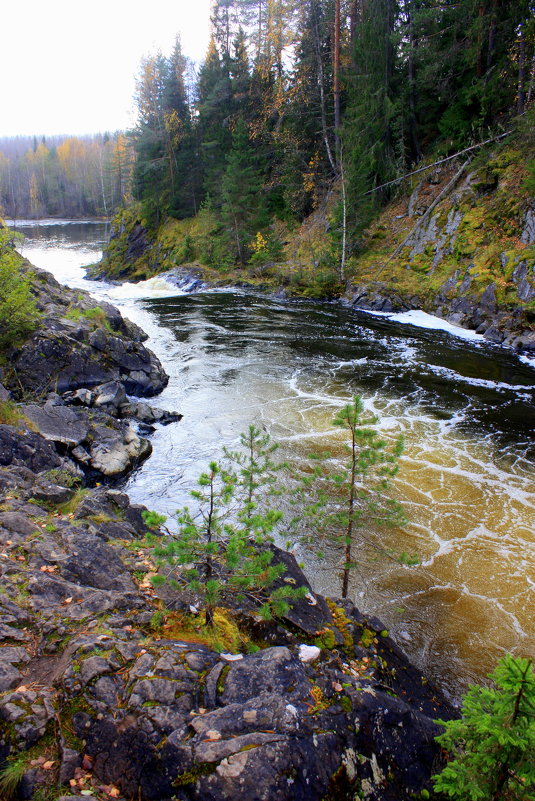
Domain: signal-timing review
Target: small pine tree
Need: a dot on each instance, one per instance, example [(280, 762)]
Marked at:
[(256, 482), (342, 501), (223, 550), (493, 744)]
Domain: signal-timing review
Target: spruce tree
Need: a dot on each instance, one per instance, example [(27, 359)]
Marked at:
[(242, 208), (370, 144), (492, 745), (214, 113)]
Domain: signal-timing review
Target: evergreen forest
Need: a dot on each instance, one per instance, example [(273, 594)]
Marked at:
[(298, 100)]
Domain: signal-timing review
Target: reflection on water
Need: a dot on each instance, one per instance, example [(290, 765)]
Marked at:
[(465, 409)]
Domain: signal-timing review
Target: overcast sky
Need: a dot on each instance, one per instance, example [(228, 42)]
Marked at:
[(70, 67)]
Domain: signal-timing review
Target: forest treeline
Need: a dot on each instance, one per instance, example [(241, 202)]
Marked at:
[(64, 176), (298, 96), (294, 98)]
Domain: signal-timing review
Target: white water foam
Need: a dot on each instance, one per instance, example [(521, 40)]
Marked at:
[(453, 375), (421, 319), (157, 287)]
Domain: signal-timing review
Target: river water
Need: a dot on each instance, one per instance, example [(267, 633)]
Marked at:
[(465, 408)]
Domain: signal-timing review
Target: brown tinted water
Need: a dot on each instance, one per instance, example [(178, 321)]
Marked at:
[(465, 408)]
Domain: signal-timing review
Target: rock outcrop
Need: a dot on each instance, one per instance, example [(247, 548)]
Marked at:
[(80, 343), (103, 693), (79, 368)]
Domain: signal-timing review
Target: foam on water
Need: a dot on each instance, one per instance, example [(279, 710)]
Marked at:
[(452, 375), (157, 287), (468, 484), (421, 319)]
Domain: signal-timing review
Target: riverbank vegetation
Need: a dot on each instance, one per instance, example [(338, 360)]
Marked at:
[(18, 312), (328, 144)]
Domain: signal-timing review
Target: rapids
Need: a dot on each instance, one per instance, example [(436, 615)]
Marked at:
[(465, 408)]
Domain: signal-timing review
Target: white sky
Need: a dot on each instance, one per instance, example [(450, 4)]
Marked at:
[(70, 67)]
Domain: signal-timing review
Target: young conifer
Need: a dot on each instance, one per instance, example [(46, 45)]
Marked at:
[(339, 502), (493, 744), (223, 549)]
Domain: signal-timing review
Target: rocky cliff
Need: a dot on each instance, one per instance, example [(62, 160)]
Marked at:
[(461, 245)]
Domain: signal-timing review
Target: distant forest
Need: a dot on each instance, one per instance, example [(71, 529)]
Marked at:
[(64, 176), (294, 99)]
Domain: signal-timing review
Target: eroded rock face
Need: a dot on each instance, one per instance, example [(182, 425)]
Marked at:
[(162, 719)]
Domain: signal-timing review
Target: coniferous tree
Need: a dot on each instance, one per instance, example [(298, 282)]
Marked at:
[(338, 504), (223, 549), (214, 113), (307, 136), (151, 174), (185, 176), (493, 744), (370, 144), (242, 210)]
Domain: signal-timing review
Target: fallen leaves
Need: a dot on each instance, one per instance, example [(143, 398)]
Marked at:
[(84, 783), (87, 762)]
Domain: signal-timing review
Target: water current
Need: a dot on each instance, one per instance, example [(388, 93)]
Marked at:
[(464, 406)]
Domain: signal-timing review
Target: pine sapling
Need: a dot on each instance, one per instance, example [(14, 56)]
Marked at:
[(338, 503), (223, 549)]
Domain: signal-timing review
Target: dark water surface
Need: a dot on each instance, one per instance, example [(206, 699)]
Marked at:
[(465, 408)]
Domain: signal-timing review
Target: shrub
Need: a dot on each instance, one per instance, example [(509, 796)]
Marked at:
[(18, 313)]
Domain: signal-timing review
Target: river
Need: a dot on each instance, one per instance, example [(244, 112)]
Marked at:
[(464, 406)]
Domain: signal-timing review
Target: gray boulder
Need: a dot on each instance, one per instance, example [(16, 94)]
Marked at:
[(116, 450), (60, 424)]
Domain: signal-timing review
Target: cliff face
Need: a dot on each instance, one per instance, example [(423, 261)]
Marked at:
[(470, 258)]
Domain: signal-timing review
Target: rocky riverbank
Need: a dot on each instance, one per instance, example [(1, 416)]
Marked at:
[(458, 242), (111, 689)]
